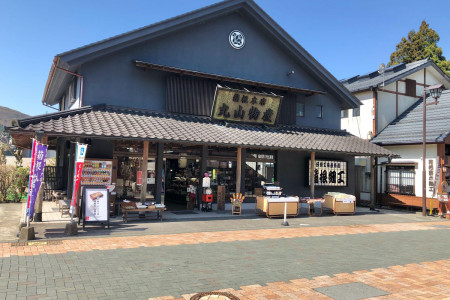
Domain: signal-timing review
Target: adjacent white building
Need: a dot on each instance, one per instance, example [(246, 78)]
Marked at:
[(386, 95)]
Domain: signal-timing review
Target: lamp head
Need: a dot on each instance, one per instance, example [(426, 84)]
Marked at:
[(436, 90)]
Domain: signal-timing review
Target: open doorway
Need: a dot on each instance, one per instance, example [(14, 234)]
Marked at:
[(180, 173)]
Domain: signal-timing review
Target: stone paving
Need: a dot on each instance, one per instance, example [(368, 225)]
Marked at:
[(402, 259)]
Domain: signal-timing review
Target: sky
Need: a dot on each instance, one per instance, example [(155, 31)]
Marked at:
[(348, 37)]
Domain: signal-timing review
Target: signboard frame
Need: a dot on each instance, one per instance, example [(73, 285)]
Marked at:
[(241, 92), (326, 160), (105, 199)]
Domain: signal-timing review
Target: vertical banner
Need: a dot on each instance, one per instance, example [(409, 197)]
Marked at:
[(30, 178), (80, 154), (38, 174)]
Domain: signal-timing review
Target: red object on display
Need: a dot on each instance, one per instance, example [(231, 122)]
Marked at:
[(207, 198)]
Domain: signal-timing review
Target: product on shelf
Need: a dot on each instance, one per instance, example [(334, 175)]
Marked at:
[(96, 172)]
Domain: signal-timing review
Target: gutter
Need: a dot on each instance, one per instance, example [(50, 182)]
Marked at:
[(53, 69)]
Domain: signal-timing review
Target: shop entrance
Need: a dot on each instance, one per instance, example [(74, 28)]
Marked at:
[(180, 174)]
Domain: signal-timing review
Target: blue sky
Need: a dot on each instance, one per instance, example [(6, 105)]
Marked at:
[(347, 37)]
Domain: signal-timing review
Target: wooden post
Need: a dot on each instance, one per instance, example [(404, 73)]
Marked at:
[(159, 170), (239, 170), (144, 172), (372, 184), (311, 173), (203, 165), (43, 139)]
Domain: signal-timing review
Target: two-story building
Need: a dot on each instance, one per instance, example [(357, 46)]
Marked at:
[(223, 90), (385, 94)]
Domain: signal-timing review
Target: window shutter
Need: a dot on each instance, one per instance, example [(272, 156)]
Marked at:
[(410, 88)]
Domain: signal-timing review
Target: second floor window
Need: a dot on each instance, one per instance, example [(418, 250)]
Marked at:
[(356, 112), (300, 110), (319, 111), (344, 113)]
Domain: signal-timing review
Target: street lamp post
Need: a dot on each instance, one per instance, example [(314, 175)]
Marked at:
[(435, 92)]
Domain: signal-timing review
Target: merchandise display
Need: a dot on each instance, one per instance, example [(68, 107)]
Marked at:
[(96, 172)]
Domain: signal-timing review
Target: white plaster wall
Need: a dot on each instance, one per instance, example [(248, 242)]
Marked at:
[(385, 109), (411, 153), (360, 126)]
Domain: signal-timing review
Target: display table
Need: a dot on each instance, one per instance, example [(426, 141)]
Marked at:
[(340, 203), (275, 206), (128, 207)]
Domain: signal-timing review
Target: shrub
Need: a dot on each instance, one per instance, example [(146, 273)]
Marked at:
[(6, 180)]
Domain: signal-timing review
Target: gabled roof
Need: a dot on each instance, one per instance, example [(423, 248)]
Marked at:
[(72, 59), (407, 128), (114, 122), (392, 74)]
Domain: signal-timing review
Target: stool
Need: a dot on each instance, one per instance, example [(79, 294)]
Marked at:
[(236, 208)]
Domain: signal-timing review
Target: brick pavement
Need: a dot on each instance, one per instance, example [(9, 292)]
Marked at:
[(109, 243), (401, 282), (407, 260)]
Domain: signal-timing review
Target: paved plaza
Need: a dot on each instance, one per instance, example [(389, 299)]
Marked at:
[(385, 255)]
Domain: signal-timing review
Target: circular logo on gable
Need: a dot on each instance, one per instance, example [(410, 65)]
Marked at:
[(237, 39)]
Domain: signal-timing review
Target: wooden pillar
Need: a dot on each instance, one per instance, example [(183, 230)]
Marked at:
[(243, 159), (144, 172), (311, 173), (372, 183), (159, 170), (239, 170), (203, 165), (43, 139)]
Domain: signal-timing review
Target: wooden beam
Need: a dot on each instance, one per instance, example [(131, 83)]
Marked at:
[(311, 174), (144, 172), (238, 170), (159, 172), (147, 65)]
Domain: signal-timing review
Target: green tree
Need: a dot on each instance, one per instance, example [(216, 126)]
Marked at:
[(420, 45)]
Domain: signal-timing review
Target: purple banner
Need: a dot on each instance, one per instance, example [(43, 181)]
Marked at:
[(38, 173)]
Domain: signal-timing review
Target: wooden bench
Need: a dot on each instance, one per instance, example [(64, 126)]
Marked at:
[(128, 207), (64, 206)]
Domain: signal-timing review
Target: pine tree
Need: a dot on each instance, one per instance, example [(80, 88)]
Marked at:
[(420, 45)]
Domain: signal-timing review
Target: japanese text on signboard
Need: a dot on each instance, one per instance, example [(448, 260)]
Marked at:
[(329, 173), (240, 106)]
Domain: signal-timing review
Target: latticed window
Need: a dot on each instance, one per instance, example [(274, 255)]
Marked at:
[(400, 180)]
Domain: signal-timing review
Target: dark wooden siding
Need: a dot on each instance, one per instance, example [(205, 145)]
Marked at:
[(188, 95), (287, 110), (195, 96)]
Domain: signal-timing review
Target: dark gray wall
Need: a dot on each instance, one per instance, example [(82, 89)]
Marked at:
[(115, 80), (99, 148), (292, 174)]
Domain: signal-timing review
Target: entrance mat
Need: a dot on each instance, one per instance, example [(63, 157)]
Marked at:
[(351, 291), (184, 212)]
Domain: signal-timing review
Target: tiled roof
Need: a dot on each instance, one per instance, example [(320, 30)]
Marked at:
[(407, 128), (392, 74), (126, 123)]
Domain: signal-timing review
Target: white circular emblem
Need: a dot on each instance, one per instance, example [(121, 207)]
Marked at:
[(237, 39)]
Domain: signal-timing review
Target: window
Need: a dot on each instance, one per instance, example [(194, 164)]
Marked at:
[(410, 88), (344, 113), (400, 180), (300, 110), (319, 113), (356, 112)]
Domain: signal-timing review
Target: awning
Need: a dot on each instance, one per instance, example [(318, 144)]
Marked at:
[(103, 121)]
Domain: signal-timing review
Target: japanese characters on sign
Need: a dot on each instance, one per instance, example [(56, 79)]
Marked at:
[(329, 172), (241, 106), (96, 204), (80, 155), (36, 175)]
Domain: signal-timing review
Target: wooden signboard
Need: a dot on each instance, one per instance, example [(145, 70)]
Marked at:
[(247, 107)]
